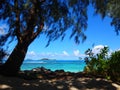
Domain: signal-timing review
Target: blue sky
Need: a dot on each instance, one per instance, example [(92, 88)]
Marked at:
[(99, 33)]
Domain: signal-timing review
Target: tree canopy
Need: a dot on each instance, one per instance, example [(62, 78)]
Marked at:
[(110, 8), (26, 17), (52, 17)]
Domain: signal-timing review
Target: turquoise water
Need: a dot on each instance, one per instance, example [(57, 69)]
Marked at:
[(66, 65)]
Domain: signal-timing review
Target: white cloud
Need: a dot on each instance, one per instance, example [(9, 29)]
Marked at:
[(98, 46), (32, 53), (118, 49), (96, 49), (65, 53), (47, 54), (52, 55), (76, 53)]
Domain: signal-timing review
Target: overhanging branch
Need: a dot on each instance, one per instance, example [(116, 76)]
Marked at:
[(35, 34), (17, 29)]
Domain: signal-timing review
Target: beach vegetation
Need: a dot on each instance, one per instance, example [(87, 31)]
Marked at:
[(114, 66), (103, 64), (97, 63)]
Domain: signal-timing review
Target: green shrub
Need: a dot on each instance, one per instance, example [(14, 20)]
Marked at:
[(102, 64), (114, 66), (97, 64)]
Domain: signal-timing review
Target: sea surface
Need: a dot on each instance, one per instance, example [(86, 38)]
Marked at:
[(66, 65)]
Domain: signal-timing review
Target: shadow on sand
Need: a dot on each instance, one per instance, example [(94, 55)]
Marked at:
[(58, 80), (83, 83)]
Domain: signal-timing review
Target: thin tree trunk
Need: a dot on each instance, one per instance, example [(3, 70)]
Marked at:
[(15, 60)]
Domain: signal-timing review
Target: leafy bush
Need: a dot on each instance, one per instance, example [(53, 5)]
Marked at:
[(97, 63), (114, 66), (102, 64)]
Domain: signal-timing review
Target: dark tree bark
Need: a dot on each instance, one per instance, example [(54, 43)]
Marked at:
[(25, 38), (15, 60)]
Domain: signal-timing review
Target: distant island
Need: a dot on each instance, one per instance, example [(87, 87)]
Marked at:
[(47, 59)]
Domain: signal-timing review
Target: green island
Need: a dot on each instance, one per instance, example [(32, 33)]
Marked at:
[(47, 59)]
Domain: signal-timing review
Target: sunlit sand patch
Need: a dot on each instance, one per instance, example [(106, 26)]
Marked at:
[(26, 84), (60, 87), (73, 88), (4, 87), (117, 86)]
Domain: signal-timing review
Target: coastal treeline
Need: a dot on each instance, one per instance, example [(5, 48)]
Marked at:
[(103, 63)]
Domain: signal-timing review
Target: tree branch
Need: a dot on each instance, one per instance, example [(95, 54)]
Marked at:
[(35, 34), (17, 23)]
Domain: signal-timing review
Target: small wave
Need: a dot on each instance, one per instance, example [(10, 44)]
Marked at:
[(42, 62)]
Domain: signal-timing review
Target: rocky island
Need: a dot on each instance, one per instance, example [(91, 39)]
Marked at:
[(47, 59)]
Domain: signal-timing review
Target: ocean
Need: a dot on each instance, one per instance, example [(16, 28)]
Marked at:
[(66, 65)]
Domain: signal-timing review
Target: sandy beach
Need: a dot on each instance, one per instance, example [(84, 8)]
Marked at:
[(83, 83), (58, 80)]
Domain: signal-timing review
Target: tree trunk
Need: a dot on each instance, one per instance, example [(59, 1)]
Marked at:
[(15, 60)]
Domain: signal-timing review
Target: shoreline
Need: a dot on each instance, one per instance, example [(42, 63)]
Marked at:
[(72, 65), (42, 78)]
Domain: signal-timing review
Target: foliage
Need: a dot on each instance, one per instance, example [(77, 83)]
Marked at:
[(55, 15), (114, 66), (109, 8), (30, 18), (102, 64), (25, 17), (97, 63)]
